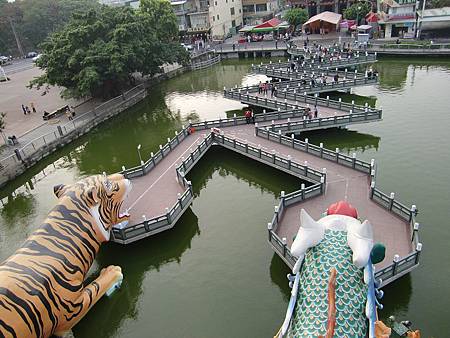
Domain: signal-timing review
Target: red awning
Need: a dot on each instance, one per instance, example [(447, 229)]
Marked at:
[(269, 24), (372, 17)]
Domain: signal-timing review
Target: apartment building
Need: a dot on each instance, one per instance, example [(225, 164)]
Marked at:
[(258, 11), (225, 16)]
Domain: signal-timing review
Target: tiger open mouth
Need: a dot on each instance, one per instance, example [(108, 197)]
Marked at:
[(122, 216)]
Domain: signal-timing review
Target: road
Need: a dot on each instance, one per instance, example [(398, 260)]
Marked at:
[(18, 66)]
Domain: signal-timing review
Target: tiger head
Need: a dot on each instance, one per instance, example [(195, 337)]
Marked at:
[(102, 194)]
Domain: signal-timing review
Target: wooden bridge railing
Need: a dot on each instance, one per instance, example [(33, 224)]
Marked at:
[(205, 64), (319, 151), (272, 159), (295, 97), (299, 87), (132, 233)]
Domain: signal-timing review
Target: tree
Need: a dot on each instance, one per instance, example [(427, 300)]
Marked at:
[(10, 18), (354, 13), (43, 17), (296, 17), (96, 53)]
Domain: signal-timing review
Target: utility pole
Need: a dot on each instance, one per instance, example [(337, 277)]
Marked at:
[(19, 46), (419, 30)]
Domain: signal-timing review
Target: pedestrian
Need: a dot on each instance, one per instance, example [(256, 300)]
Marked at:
[(272, 90), (28, 110), (253, 116), (234, 46), (24, 110), (276, 44), (266, 87), (316, 112), (248, 115), (275, 91), (260, 87), (69, 114), (33, 108)]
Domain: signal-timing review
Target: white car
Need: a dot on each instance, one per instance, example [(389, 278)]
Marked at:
[(36, 57), (187, 47)]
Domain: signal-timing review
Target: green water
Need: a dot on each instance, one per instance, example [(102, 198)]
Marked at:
[(214, 275)]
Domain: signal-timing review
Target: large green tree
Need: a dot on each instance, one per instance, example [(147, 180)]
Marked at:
[(358, 11), (43, 17), (296, 17), (97, 53)]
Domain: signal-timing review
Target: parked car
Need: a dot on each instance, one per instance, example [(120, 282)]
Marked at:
[(187, 47), (36, 57), (4, 59), (31, 55)]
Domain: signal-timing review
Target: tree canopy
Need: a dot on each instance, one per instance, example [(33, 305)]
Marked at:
[(354, 13), (97, 53), (34, 20), (296, 17)]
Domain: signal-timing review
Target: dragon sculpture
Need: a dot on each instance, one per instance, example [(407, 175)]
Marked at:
[(334, 293)]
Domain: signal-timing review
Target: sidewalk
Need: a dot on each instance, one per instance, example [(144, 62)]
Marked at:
[(14, 93)]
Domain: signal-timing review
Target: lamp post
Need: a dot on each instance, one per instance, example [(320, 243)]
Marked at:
[(357, 17), (139, 153)]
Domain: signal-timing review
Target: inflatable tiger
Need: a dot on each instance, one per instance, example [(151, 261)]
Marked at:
[(42, 285)]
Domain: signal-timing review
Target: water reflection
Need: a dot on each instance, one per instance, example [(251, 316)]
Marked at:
[(394, 71), (253, 173), (348, 141), (278, 273), (137, 260)]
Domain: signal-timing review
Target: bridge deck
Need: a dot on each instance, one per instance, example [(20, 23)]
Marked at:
[(156, 191)]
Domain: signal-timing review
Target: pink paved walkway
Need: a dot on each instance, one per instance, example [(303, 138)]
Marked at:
[(158, 189)]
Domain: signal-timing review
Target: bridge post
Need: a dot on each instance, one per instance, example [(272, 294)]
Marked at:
[(415, 230), (395, 261), (153, 159), (340, 103), (256, 129), (288, 124), (161, 150), (284, 246), (412, 212), (293, 140), (337, 155), (289, 162), (322, 184), (279, 136), (321, 149), (179, 201), (246, 146), (328, 100), (169, 143), (276, 213), (391, 201), (234, 143), (353, 160), (372, 189), (259, 151), (269, 230), (302, 188), (234, 119), (274, 156), (176, 136), (169, 220), (190, 188), (307, 145), (418, 251)]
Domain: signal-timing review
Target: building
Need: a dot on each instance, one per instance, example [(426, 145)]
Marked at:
[(398, 18), (225, 17), (259, 11), (130, 3)]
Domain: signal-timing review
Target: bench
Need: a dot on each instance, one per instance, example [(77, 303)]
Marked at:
[(59, 111)]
